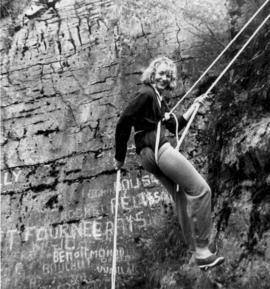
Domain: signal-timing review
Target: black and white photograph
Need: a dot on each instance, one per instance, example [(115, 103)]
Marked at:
[(135, 144)]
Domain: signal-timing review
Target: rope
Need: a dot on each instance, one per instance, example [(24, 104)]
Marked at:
[(236, 56), (117, 190), (157, 141), (113, 276), (217, 80), (176, 127), (159, 98), (219, 56), (158, 136), (179, 142)]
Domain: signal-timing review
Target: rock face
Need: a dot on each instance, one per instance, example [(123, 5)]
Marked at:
[(68, 69)]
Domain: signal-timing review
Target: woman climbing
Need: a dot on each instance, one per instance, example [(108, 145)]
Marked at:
[(169, 166)]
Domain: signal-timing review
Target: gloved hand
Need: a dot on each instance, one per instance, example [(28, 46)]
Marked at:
[(117, 164)]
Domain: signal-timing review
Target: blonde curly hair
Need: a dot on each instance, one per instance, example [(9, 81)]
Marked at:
[(148, 76)]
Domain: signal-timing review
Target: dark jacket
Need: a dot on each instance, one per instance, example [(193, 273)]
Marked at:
[(143, 113)]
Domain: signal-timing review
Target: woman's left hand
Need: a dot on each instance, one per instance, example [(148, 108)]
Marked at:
[(117, 164)]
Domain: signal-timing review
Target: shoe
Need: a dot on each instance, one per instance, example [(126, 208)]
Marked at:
[(209, 262)]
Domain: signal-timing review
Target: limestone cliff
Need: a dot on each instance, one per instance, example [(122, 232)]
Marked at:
[(68, 69)]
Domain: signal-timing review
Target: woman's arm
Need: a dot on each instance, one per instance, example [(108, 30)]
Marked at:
[(122, 134), (125, 123)]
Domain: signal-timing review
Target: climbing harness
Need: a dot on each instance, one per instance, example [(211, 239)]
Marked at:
[(197, 106), (117, 190)]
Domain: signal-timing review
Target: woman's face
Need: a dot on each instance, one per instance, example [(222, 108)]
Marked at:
[(162, 76)]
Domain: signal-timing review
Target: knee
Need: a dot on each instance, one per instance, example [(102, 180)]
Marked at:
[(205, 190), (201, 191)]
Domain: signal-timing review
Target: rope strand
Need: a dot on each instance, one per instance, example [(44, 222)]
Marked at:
[(117, 189)]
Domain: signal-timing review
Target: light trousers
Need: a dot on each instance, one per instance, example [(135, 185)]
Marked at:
[(192, 200)]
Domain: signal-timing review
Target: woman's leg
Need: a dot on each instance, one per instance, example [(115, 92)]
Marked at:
[(174, 168), (178, 169), (179, 197)]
